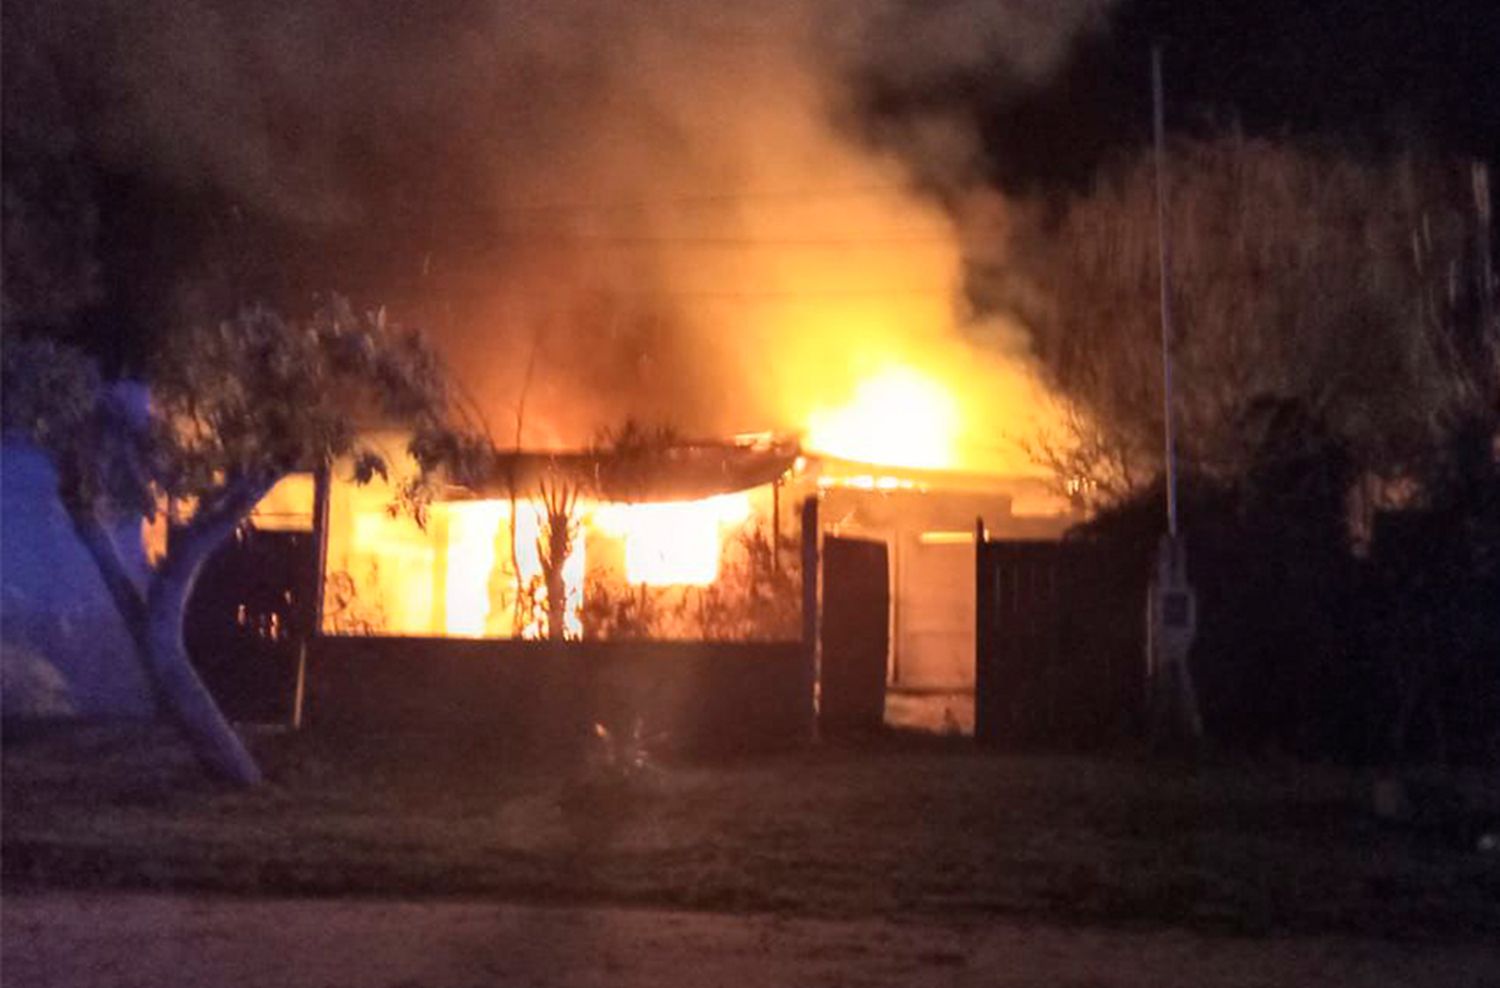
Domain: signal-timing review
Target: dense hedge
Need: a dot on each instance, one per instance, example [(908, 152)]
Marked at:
[(1305, 646)]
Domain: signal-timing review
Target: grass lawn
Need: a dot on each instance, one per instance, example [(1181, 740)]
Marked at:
[(897, 828)]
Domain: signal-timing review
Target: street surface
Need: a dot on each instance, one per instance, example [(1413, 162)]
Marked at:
[(61, 940)]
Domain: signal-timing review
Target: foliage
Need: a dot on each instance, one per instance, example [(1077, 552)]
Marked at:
[(629, 457), (1090, 465), (757, 597), (1434, 630), (263, 394), (616, 611), (1305, 647), (624, 459), (231, 410), (246, 402), (49, 390), (53, 395), (1330, 338), (517, 607), (1343, 285), (635, 439), (1273, 660), (345, 612)]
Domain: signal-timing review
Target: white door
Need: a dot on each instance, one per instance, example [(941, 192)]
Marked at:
[(934, 612)]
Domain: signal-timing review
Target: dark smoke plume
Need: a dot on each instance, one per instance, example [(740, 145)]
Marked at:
[(646, 203)]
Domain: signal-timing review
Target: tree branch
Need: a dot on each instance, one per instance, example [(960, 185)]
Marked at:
[(212, 524)]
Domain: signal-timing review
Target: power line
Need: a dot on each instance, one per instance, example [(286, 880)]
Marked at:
[(708, 199), (748, 295), (848, 242)]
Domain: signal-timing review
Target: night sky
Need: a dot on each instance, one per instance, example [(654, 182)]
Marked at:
[(1368, 75)]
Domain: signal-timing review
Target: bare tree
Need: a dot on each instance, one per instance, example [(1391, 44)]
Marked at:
[(1300, 275)]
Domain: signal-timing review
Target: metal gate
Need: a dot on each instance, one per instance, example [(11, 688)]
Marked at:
[(1059, 645), (855, 636)]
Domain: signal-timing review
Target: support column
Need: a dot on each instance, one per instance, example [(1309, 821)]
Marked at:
[(810, 627)]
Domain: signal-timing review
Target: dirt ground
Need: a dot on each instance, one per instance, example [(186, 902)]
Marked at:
[(62, 940), (890, 830)]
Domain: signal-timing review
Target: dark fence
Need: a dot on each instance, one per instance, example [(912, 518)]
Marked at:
[(1060, 644), (855, 636), (694, 696)]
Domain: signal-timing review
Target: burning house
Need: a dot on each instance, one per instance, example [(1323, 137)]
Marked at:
[(650, 228), (558, 545), (597, 212), (650, 544)]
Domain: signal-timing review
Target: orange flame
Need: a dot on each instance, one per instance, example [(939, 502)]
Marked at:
[(899, 417), (665, 544), (673, 544)]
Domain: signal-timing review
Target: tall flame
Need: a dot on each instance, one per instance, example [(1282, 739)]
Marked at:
[(665, 544), (673, 544), (899, 417), (471, 556)]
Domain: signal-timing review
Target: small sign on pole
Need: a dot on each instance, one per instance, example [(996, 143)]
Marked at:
[(1171, 626)]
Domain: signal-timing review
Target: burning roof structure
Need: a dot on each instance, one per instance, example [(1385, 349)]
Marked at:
[(662, 514), (659, 472)]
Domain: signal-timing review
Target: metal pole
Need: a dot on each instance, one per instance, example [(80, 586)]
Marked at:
[(322, 494), (810, 651), (1482, 241), (1172, 619), (1164, 261), (312, 609)]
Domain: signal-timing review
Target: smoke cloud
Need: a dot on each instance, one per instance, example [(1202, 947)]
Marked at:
[(670, 210)]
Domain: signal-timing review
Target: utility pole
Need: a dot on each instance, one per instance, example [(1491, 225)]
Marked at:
[(1164, 269), (1171, 613), (1489, 329)]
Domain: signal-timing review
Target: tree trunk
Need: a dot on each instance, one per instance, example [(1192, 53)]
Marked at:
[(185, 698), (559, 547), (557, 604), (155, 621)]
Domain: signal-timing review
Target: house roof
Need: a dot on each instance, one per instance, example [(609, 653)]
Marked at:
[(687, 471)]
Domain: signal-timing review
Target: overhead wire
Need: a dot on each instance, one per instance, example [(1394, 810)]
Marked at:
[(706, 199), (749, 295), (551, 238), (851, 242)]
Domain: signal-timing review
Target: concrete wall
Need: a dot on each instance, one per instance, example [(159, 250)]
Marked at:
[(701, 696), (54, 608)]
